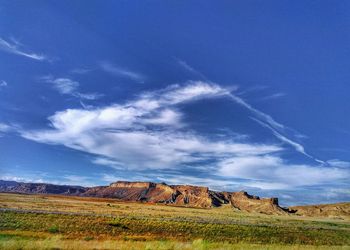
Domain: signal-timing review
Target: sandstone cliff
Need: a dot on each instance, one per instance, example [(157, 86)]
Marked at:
[(180, 195)]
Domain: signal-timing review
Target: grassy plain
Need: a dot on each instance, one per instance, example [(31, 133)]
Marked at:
[(61, 222)]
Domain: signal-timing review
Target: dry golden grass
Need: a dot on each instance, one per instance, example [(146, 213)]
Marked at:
[(58, 243), (52, 221)]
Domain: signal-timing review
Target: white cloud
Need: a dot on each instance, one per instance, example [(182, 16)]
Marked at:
[(107, 162), (125, 133), (190, 69), (252, 89), (65, 85), (8, 127), (271, 172), (273, 96), (118, 71), (21, 179), (88, 96), (147, 133), (3, 84), (297, 146), (332, 193), (211, 182), (68, 86), (81, 71), (109, 178), (276, 128), (261, 115), (77, 180), (165, 116), (14, 49), (339, 163), (4, 127), (193, 91)]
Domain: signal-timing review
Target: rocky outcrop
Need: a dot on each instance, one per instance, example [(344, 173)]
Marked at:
[(181, 195), (134, 191), (184, 195), (323, 210), (243, 201), (192, 195)]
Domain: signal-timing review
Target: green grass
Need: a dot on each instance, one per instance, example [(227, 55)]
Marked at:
[(182, 229), (59, 242), (59, 222), (53, 229)]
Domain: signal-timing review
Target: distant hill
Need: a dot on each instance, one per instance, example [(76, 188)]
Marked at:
[(39, 188), (323, 210), (180, 195)]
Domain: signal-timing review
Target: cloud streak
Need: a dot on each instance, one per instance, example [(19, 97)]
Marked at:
[(8, 128), (297, 146), (273, 96), (14, 48), (275, 127), (190, 69), (122, 72), (66, 86), (3, 84), (5, 127)]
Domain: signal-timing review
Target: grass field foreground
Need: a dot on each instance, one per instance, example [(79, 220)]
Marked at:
[(46, 222)]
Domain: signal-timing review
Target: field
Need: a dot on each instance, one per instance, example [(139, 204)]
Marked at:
[(60, 222)]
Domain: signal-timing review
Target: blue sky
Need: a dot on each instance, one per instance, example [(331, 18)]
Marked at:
[(232, 95)]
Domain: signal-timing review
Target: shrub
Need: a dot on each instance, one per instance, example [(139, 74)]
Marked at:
[(53, 229)]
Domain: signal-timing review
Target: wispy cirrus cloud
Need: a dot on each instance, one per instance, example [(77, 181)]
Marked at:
[(67, 86), (63, 85), (297, 146), (3, 84), (8, 128), (273, 96), (281, 175), (17, 178), (41, 177), (78, 180), (190, 69), (81, 71), (278, 129), (339, 163), (121, 72), (127, 134), (147, 133), (15, 48), (5, 127), (107, 162), (259, 114)]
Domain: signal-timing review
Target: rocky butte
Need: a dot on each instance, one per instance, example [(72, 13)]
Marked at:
[(150, 192)]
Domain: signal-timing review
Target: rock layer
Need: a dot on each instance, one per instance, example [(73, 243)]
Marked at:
[(181, 195)]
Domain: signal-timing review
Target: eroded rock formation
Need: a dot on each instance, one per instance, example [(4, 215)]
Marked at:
[(180, 195)]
